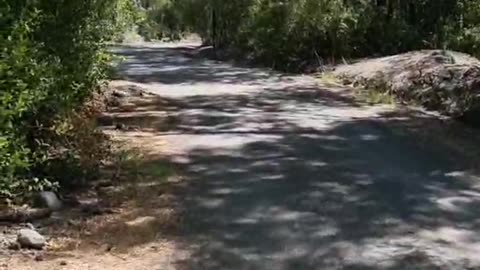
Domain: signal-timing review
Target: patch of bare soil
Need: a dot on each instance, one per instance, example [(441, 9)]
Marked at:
[(133, 214)]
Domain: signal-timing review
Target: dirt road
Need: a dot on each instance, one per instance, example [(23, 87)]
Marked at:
[(287, 173)]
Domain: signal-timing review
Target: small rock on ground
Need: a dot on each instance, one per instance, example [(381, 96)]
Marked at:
[(31, 239)]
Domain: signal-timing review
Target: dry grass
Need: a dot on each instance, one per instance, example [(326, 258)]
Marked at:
[(143, 187), (364, 96), (375, 97), (143, 211)]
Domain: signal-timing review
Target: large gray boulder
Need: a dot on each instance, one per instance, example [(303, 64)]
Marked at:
[(48, 199), (28, 238)]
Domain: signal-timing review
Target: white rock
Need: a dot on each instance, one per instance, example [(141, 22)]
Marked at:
[(30, 239), (49, 200)]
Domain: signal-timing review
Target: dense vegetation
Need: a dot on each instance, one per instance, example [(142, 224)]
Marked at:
[(287, 33), (52, 61), (160, 19)]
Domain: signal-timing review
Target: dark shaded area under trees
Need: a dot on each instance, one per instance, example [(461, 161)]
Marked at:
[(288, 34)]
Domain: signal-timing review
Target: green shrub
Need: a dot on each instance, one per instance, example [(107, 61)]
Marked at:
[(52, 61), (161, 20)]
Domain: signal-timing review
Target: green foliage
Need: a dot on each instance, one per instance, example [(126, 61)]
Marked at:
[(126, 17), (52, 60), (289, 33), (161, 19)]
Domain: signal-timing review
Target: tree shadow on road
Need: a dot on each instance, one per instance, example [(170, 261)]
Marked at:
[(356, 195), (297, 177), (174, 66), (315, 201)]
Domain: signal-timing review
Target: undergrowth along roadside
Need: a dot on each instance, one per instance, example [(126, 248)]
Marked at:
[(53, 60)]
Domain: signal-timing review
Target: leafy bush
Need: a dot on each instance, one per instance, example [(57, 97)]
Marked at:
[(76, 149), (52, 61)]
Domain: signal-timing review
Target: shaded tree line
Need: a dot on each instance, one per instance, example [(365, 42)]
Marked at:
[(286, 33)]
